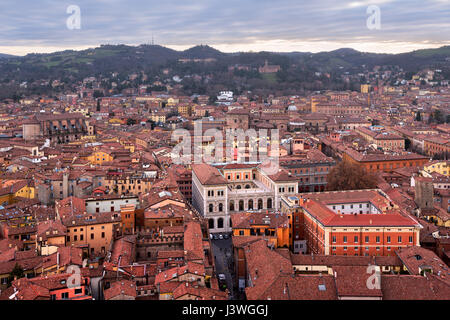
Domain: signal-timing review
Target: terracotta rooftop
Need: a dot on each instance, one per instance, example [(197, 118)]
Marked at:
[(208, 175)]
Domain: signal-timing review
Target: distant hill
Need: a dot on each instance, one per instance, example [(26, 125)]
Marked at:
[(71, 66), (2, 55), (202, 52)]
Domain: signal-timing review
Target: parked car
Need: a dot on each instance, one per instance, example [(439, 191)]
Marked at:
[(226, 236), (220, 237), (222, 281)]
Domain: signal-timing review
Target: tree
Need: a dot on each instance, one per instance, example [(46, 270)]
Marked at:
[(407, 144), (430, 118), (152, 123), (438, 116), (16, 273), (418, 116), (131, 122), (350, 176), (98, 94)]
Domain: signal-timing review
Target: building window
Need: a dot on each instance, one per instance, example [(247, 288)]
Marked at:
[(210, 207), (345, 239), (378, 239), (269, 203), (389, 239), (399, 239), (334, 238), (92, 236), (356, 239)]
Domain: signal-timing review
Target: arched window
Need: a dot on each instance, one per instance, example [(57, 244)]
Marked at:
[(220, 223), (231, 205), (211, 223), (260, 204), (269, 203), (250, 204), (247, 186), (238, 186), (210, 207), (241, 205), (220, 207)]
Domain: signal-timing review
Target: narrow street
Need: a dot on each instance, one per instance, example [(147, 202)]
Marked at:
[(222, 250)]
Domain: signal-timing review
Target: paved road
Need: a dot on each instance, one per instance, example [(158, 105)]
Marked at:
[(222, 250)]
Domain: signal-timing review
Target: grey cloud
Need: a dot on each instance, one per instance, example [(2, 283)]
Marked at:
[(215, 22)]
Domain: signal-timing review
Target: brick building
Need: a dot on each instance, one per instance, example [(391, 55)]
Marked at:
[(360, 222)]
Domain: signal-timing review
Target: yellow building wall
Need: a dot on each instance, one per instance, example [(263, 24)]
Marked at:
[(439, 167), (26, 192), (98, 156)]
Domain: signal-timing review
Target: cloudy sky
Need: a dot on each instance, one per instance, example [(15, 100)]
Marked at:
[(228, 25)]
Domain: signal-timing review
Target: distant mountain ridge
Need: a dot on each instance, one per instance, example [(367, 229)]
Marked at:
[(3, 55), (151, 58)]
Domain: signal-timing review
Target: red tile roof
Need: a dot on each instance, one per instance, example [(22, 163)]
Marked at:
[(122, 287), (208, 175)]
